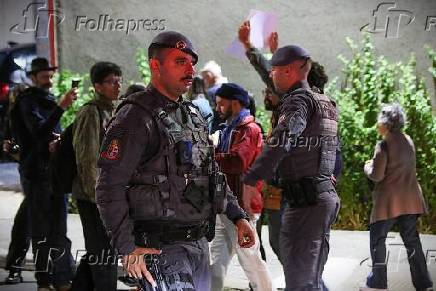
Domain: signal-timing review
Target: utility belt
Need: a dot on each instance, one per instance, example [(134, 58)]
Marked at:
[(157, 179), (303, 193), (154, 233)]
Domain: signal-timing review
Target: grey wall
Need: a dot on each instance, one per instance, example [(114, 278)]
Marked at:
[(11, 13), (319, 25)]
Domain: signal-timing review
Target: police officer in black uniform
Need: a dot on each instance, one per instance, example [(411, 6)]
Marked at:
[(302, 148), (159, 188)]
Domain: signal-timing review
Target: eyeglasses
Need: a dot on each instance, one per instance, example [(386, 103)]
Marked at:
[(114, 82)]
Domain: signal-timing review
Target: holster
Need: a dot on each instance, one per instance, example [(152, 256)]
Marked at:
[(304, 193)]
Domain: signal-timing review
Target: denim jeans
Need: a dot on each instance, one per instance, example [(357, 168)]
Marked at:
[(418, 266)]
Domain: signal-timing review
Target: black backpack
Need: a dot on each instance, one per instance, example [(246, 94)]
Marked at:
[(63, 166)]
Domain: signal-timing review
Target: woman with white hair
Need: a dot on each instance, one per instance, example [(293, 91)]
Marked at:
[(397, 200)]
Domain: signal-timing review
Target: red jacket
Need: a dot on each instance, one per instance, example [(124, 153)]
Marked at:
[(245, 146)]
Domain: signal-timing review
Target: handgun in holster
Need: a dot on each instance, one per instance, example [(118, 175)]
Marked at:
[(153, 268)]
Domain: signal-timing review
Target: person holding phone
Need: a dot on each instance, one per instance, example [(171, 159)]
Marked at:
[(35, 117)]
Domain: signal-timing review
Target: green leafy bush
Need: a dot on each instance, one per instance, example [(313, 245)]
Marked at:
[(62, 84), (368, 81), (143, 67)]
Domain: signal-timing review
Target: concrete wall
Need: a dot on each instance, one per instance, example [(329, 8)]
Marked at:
[(319, 25), (11, 13)]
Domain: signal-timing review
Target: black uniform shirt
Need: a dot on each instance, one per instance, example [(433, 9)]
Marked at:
[(295, 112)]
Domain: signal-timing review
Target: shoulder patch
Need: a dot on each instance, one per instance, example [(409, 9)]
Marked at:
[(112, 151)]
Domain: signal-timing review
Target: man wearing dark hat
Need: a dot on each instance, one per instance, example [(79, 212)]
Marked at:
[(302, 149), (239, 144), (36, 117), (159, 188)]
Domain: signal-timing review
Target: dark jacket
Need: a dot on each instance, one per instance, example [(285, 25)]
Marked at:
[(135, 155), (35, 117), (301, 115), (263, 68)]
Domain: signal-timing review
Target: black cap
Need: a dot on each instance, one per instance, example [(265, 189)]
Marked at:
[(287, 54), (233, 91), (173, 39), (40, 64)]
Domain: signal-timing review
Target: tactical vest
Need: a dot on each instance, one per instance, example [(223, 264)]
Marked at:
[(314, 152), (176, 181)]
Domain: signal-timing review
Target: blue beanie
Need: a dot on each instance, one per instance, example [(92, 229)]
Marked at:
[(233, 91)]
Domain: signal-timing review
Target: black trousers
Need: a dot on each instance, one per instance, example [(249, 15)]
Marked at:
[(98, 267), (47, 223), (20, 239)]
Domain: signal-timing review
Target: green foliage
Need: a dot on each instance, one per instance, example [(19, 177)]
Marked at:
[(263, 117), (143, 67), (369, 81), (62, 84), (432, 54)]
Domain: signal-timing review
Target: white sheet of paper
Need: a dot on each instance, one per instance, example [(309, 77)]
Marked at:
[(262, 24)]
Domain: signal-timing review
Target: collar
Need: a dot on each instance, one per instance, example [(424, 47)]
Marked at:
[(163, 101), (248, 119), (39, 93), (103, 102), (303, 84)]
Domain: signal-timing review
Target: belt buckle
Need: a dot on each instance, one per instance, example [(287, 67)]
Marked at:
[(188, 234)]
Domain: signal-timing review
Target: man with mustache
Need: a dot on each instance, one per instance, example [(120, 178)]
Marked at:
[(159, 188), (36, 117)]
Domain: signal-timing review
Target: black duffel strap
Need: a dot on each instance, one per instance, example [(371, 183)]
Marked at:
[(151, 233)]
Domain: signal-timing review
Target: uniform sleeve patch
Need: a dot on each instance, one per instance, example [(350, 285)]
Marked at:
[(112, 151)]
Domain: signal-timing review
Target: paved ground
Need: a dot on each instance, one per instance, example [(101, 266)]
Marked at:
[(347, 266)]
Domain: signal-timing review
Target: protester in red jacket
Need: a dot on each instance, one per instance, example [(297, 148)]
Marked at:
[(239, 144), (245, 144)]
